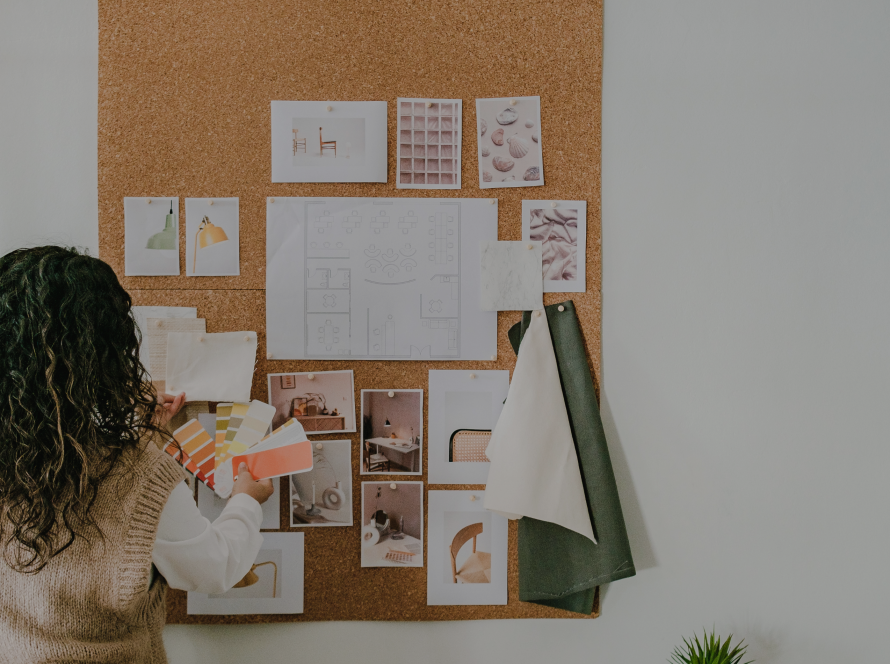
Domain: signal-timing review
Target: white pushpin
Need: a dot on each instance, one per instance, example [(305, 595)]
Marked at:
[(393, 486), (329, 108), (472, 376), (494, 357), (512, 102), (246, 337), (553, 204), (210, 202), (172, 389), (201, 339), (560, 308), (148, 200), (391, 394), (493, 201), (268, 356), (472, 499), (531, 246), (319, 446), (429, 104), (271, 200), (158, 323), (311, 376), (537, 314)]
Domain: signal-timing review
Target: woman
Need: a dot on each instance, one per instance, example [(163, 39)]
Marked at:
[(95, 521)]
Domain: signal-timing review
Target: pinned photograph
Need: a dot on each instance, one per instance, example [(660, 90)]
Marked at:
[(463, 410), (274, 583), (392, 432), (317, 141), (467, 557), (322, 401), (561, 228), (429, 143), (392, 524), (211, 237), (151, 236), (323, 496), (508, 131)]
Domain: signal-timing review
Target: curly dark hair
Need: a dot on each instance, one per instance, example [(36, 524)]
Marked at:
[(73, 397)]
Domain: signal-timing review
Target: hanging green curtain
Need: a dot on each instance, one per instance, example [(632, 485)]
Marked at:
[(558, 567)]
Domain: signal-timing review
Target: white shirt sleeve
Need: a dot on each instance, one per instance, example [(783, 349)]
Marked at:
[(194, 554)]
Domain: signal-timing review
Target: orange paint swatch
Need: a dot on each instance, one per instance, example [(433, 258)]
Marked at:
[(198, 447), (278, 461)]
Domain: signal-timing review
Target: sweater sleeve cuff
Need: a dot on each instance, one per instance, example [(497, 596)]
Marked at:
[(247, 503)]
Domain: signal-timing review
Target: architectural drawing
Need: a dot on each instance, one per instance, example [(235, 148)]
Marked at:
[(393, 279)]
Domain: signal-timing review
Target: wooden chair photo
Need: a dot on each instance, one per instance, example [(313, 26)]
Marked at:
[(326, 145), (476, 568), (298, 142), (375, 461)]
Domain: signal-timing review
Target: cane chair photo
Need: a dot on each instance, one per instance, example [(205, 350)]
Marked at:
[(468, 445), (476, 568)]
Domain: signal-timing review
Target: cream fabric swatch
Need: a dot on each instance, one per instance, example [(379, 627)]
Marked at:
[(211, 367), (155, 335), (534, 466)]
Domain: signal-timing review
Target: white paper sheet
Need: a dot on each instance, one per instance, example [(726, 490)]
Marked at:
[(562, 231), (534, 466), (354, 135), (284, 579), (447, 513), (378, 279), (511, 276), (151, 236), (330, 480), (157, 330), (212, 366), (462, 400), (429, 143), (509, 142), (141, 316), (222, 258)]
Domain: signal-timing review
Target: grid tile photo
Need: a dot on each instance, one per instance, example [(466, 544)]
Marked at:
[(429, 144)]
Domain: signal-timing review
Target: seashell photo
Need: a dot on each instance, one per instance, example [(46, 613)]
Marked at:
[(507, 116), (533, 173), (518, 146), (486, 176), (535, 138), (529, 123), (509, 179), (484, 127), (485, 152), (502, 163), (497, 136)]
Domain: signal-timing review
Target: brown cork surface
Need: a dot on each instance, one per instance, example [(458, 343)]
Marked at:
[(184, 109)]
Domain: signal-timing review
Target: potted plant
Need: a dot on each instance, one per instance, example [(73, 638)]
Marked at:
[(709, 651)]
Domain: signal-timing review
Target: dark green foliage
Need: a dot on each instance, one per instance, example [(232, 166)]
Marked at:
[(709, 651), (73, 397)]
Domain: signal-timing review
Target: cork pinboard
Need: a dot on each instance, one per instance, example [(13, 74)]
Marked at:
[(184, 110)]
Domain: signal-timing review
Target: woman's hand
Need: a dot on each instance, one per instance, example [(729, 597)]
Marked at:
[(167, 407), (260, 490)]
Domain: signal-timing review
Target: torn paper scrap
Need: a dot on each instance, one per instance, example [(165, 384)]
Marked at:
[(534, 468), (156, 331), (142, 314), (511, 278), (211, 367)]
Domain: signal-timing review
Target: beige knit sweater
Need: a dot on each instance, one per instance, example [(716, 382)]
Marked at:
[(92, 602)]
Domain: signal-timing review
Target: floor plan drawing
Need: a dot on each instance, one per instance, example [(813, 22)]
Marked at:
[(389, 279)]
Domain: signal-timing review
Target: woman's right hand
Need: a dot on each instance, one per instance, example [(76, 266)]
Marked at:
[(259, 490)]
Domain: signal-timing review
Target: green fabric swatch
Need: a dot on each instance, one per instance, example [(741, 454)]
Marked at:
[(558, 567)]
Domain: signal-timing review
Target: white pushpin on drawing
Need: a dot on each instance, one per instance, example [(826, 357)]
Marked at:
[(271, 200), (553, 204), (329, 108), (472, 376), (391, 394), (148, 200), (210, 202), (319, 446), (512, 102), (530, 247), (393, 486)]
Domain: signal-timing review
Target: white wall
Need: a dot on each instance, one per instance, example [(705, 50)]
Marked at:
[(746, 328), (48, 109)]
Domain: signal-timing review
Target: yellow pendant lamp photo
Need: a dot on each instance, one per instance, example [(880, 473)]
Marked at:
[(251, 577), (207, 235)]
